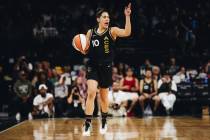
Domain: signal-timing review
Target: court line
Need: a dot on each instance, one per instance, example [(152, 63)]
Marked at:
[(13, 126)]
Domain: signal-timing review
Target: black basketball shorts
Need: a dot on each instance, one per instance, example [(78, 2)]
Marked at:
[(102, 73)]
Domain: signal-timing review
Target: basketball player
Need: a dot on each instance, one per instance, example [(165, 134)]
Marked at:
[(99, 70)]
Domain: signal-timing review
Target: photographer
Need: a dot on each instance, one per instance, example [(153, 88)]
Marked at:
[(75, 102), (167, 89)]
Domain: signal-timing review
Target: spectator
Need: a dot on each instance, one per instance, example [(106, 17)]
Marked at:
[(180, 76), (43, 103), (191, 73), (75, 102), (202, 74), (22, 65), (121, 68), (167, 89), (23, 98), (61, 93), (156, 73), (162, 66), (55, 77), (148, 91), (43, 79), (66, 74), (116, 77), (129, 86), (173, 68), (117, 107), (147, 65), (82, 86), (46, 68), (38, 67)]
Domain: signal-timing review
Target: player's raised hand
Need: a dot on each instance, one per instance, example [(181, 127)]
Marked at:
[(127, 10)]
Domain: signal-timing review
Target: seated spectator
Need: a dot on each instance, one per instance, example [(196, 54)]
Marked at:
[(43, 79), (148, 91), (116, 77), (129, 87), (61, 93), (46, 68), (173, 68), (191, 73), (167, 89), (54, 78), (180, 76), (23, 99), (66, 74), (82, 86), (156, 73), (116, 106), (121, 68), (43, 103), (75, 101), (202, 74), (147, 65)]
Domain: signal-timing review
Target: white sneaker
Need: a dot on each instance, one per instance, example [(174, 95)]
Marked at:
[(18, 117), (30, 117), (103, 130), (86, 131)]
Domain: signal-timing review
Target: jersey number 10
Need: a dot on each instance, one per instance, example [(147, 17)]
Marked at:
[(95, 43)]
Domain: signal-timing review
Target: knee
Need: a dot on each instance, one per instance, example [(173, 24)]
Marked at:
[(51, 104), (156, 99), (141, 98), (135, 98), (172, 97), (91, 93)]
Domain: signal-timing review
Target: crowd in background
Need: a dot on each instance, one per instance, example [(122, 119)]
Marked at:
[(37, 89)]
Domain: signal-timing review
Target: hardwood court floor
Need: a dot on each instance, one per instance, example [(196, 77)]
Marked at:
[(158, 128)]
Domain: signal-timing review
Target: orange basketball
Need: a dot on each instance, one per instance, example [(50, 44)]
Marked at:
[(80, 43)]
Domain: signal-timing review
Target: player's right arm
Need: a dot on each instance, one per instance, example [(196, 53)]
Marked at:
[(88, 35), (118, 32)]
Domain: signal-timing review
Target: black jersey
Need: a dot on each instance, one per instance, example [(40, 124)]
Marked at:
[(148, 87), (101, 47), (165, 87)]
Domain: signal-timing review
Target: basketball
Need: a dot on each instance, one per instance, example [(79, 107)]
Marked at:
[(79, 42)]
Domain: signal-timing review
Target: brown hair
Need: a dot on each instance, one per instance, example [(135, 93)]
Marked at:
[(100, 11)]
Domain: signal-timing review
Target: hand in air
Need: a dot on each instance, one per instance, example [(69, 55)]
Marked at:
[(127, 10)]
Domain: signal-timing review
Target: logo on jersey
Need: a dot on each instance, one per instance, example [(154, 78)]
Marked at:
[(106, 44), (95, 43)]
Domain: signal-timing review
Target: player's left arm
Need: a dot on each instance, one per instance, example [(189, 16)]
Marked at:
[(118, 32)]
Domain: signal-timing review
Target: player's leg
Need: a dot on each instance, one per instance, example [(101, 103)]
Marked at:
[(92, 89), (105, 81), (104, 102)]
